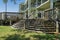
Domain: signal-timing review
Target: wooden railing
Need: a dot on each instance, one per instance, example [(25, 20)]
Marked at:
[(39, 25)]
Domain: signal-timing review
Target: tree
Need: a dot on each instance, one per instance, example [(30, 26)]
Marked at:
[(14, 1), (5, 2)]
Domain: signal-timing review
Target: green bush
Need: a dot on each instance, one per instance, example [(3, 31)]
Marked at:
[(47, 37)]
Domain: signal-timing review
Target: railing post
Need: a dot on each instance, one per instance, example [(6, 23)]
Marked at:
[(10, 22), (57, 25)]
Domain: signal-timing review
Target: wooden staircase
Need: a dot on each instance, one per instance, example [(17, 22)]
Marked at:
[(30, 24), (36, 25), (49, 28), (39, 25), (19, 25)]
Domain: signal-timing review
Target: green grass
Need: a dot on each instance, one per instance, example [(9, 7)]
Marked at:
[(7, 33), (5, 29)]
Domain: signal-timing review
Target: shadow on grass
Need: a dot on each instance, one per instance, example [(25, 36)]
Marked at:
[(46, 37), (32, 37), (16, 37)]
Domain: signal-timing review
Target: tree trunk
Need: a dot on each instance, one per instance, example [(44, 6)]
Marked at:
[(5, 10)]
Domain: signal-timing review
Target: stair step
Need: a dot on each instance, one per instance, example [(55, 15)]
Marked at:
[(47, 30), (31, 28), (19, 24), (46, 27)]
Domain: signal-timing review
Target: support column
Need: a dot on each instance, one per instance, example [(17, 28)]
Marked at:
[(41, 1), (10, 22), (29, 8), (24, 26), (29, 12), (36, 9), (57, 25), (1, 22)]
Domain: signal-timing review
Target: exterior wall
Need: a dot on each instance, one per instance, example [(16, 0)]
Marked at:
[(0, 16), (36, 3), (13, 15)]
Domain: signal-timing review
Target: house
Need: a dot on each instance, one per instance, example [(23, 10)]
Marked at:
[(43, 14), (9, 18)]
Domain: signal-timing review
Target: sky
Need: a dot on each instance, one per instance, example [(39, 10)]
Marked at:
[(11, 7)]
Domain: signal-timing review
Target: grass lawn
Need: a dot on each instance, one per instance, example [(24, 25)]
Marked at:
[(7, 33)]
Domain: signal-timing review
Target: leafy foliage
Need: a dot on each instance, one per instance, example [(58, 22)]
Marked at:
[(5, 1)]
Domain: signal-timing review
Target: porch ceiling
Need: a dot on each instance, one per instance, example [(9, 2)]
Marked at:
[(44, 6)]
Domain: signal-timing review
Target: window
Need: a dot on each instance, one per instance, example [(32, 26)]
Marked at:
[(39, 2), (43, 1), (26, 16), (39, 15)]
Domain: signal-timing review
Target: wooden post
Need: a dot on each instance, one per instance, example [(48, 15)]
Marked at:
[(57, 25), (1, 22), (10, 22)]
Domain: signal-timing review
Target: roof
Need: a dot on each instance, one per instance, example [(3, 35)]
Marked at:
[(11, 12)]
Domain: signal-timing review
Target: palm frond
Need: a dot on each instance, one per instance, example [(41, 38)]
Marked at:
[(14, 1), (5, 1)]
